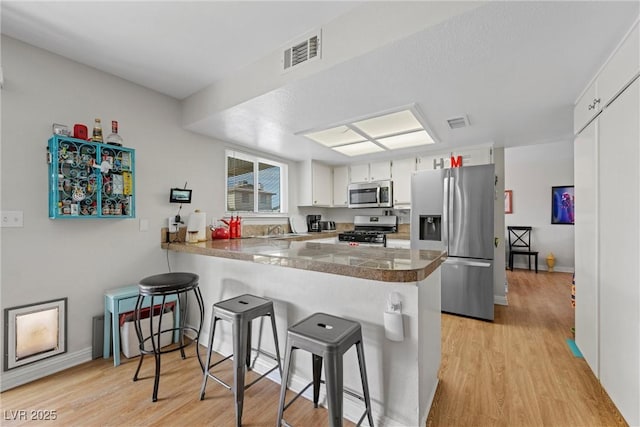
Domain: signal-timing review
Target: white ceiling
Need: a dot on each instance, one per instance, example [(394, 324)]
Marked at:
[(514, 68)]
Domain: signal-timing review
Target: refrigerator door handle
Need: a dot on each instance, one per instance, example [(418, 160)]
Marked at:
[(445, 213), (454, 261)]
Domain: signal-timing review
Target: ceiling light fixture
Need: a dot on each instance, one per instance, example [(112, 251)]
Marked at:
[(392, 131)]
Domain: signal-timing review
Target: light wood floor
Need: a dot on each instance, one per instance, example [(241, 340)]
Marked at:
[(516, 371)]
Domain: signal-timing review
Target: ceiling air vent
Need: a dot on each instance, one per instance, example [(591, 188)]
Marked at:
[(458, 122), (302, 52)]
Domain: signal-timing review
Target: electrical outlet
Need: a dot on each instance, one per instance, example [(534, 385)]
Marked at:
[(11, 219)]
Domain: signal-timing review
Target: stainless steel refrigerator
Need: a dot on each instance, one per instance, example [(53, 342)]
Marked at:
[(452, 209)]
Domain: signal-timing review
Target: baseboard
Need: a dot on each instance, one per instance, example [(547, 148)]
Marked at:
[(43, 368), (558, 268), (500, 300)]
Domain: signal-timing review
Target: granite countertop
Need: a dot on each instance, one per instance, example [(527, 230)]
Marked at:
[(374, 263)]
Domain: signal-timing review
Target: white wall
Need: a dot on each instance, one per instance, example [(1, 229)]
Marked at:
[(80, 259), (530, 172)]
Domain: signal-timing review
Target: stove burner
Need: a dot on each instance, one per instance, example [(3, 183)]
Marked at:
[(363, 236)]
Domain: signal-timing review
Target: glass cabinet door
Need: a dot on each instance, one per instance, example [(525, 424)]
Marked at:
[(117, 183)]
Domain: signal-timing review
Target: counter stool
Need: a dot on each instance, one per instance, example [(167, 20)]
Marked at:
[(162, 288), (240, 311), (326, 337)]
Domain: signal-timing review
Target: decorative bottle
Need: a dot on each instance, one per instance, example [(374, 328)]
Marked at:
[(97, 131), (238, 227), (114, 138), (233, 228)]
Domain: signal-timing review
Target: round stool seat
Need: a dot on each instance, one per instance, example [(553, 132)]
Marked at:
[(168, 283), (152, 307)]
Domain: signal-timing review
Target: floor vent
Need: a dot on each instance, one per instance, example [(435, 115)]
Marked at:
[(458, 122), (302, 52)]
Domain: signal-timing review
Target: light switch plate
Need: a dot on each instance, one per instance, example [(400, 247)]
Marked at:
[(11, 219), (144, 224)]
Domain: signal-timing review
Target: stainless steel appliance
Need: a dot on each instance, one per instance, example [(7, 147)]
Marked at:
[(327, 225), (452, 209), (370, 230), (377, 194), (313, 223)]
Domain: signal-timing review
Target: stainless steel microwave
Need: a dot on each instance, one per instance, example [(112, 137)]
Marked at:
[(377, 194)]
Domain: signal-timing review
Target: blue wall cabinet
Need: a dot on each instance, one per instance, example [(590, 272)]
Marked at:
[(90, 180)]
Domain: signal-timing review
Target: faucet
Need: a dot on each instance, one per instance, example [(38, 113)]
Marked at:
[(274, 229)]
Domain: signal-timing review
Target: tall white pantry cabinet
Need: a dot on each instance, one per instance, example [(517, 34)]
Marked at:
[(607, 225)]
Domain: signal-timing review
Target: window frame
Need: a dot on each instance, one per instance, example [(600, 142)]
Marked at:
[(256, 160)]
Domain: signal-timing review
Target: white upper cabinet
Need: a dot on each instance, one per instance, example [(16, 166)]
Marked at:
[(379, 171), (621, 68), (618, 72), (322, 185), (462, 157), (340, 183), (360, 173), (401, 171), (368, 172), (315, 184)]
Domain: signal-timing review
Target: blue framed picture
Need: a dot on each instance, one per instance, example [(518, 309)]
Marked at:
[(562, 205)]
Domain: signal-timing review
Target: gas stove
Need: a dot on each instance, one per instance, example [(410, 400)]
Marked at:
[(370, 230)]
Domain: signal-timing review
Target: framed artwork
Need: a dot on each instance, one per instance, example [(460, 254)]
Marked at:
[(562, 205), (508, 201)]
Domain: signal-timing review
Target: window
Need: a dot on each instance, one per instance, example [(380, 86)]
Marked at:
[(255, 184)]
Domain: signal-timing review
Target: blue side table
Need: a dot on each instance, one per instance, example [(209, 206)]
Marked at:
[(122, 300)]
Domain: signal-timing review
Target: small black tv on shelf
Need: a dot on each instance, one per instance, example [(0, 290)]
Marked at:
[(180, 195)]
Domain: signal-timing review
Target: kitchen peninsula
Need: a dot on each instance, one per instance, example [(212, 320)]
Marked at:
[(303, 277)]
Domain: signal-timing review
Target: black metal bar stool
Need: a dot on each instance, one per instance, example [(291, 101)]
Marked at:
[(240, 311), (158, 288), (327, 337)]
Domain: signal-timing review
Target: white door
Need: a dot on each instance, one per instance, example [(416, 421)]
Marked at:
[(619, 269), (585, 171)]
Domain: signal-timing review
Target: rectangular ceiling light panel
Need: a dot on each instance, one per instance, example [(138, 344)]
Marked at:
[(401, 129), (406, 140), (358, 148), (335, 136), (389, 124)]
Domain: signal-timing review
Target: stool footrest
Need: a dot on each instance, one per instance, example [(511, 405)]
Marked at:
[(345, 390), (260, 377), (227, 386), (297, 396), (218, 380)]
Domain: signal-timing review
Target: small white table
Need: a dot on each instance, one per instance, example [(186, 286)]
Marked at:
[(121, 300)]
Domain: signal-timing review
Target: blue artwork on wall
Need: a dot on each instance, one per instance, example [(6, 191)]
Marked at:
[(562, 205)]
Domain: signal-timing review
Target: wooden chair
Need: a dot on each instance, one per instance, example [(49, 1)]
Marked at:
[(520, 244)]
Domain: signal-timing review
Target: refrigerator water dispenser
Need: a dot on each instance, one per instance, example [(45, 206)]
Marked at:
[(430, 227)]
